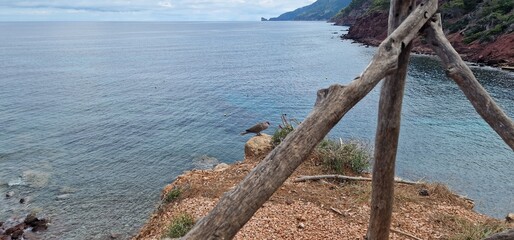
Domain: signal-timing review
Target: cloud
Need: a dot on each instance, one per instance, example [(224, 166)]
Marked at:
[(165, 4), (167, 10)]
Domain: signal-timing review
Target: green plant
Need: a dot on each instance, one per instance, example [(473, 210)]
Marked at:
[(340, 156), (380, 4), (179, 226), (283, 130), (172, 195)]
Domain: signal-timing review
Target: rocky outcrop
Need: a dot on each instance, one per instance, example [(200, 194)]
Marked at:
[(369, 26), (13, 229), (258, 147), (370, 30)]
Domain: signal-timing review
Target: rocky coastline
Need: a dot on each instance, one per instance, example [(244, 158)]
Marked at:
[(23, 228), (369, 27)]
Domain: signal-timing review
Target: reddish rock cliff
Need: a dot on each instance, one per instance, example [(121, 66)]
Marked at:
[(371, 29)]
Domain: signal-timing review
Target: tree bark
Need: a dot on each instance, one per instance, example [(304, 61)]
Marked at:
[(462, 75), (236, 207), (388, 131)]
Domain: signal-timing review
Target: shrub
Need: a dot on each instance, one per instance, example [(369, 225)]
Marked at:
[(336, 156), (172, 195), (283, 130), (179, 226), (340, 156)]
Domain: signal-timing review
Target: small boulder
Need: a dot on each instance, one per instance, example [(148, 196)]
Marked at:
[(17, 234), (258, 147), (115, 235), (221, 167), (16, 228), (509, 218), (424, 192), (36, 223), (9, 194), (301, 225)]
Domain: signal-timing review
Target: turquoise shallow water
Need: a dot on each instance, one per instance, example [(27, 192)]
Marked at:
[(108, 113)]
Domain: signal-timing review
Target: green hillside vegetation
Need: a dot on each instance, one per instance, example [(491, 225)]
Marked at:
[(482, 20), (360, 5), (317, 11)]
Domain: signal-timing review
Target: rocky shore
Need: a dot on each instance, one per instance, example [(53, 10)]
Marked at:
[(368, 25), (24, 228), (324, 209), (372, 30)]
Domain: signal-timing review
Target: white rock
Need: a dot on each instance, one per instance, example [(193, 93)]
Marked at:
[(221, 167)]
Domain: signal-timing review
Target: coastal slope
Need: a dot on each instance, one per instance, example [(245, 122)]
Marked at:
[(481, 31), (320, 10)]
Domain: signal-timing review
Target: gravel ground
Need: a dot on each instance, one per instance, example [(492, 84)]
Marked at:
[(318, 209)]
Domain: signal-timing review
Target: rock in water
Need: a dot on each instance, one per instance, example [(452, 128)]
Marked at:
[(62, 197), (9, 194), (257, 128), (220, 167), (36, 223)]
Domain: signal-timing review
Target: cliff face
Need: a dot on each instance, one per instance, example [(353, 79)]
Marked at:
[(480, 30)]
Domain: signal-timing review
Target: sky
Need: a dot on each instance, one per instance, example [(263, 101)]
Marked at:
[(145, 10)]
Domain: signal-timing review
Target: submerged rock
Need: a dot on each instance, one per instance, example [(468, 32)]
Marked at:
[(20, 230), (205, 162), (62, 197), (9, 194), (221, 167), (36, 223)]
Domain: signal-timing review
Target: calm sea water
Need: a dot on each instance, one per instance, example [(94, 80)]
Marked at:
[(108, 113)]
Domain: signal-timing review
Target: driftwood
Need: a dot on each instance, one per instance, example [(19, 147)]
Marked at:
[(236, 207), (346, 178), (507, 235), (388, 131), (462, 75), (365, 179)]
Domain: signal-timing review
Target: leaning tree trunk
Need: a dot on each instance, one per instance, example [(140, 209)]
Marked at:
[(388, 131), (462, 75), (236, 207)]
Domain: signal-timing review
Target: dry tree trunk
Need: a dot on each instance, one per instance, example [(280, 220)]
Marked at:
[(236, 207), (462, 75), (388, 131)]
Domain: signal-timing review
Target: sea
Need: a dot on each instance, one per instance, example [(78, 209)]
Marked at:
[(97, 117)]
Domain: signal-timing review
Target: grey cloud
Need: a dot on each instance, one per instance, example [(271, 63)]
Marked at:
[(166, 9)]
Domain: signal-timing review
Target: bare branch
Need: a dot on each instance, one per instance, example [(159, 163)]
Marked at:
[(462, 75), (346, 178)]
